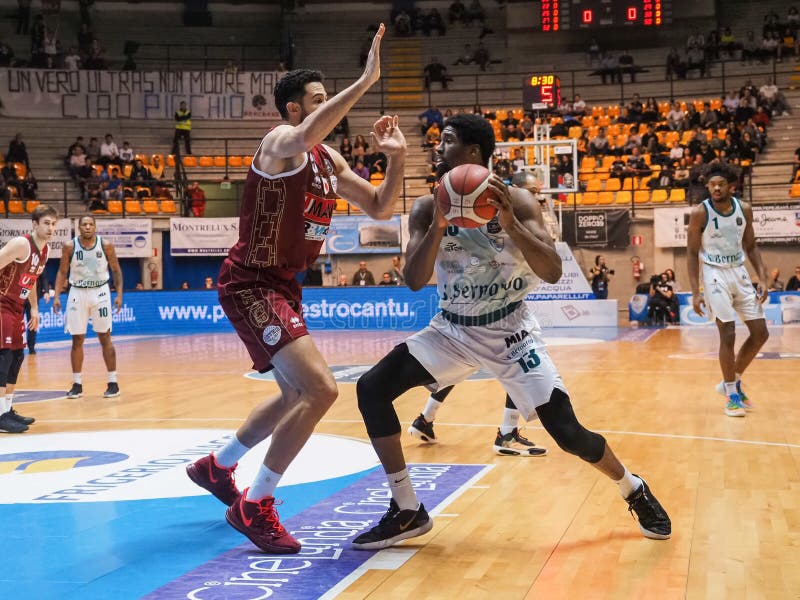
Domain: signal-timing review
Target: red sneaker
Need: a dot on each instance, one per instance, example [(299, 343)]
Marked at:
[(216, 479), (258, 520)]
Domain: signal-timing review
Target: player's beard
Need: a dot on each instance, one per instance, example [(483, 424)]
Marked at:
[(441, 168)]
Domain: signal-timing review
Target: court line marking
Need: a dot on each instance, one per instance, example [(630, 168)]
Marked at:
[(676, 436)]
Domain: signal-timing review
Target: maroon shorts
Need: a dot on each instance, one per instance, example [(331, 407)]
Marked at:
[(12, 329), (265, 317)]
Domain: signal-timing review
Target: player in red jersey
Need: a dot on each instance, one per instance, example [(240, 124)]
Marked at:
[(22, 260), (289, 197)]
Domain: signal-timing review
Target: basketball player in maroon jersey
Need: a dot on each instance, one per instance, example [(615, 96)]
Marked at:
[(22, 260), (289, 197)]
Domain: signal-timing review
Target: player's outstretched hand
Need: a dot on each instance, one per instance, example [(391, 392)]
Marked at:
[(372, 69), (387, 137), (33, 322), (501, 201), (762, 293), (56, 304), (698, 304)]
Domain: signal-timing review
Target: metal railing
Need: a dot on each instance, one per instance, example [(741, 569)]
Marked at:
[(205, 57)]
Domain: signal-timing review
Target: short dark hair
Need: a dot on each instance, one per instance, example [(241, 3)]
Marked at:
[(720, 169), (43, 210), (89, 216), (474, 129), (292, 87)]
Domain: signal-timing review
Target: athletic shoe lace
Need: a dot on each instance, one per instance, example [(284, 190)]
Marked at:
[(271, 523), (649, 510)]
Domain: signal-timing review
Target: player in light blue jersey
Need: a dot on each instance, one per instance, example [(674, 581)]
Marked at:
[(483, 276), (720, 235)]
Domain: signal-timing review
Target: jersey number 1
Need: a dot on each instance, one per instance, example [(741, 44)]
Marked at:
[(716, 223)]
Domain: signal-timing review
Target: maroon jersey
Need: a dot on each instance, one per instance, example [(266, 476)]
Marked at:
[(283, 221), (17, 279)]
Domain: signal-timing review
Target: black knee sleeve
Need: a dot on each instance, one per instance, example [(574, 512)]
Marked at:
[(510, 403), (559, 420), (394, 375), (12, 366), (442, 393), (6, 357)]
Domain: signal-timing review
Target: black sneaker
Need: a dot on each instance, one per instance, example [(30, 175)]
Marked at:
[(20, 419), (394, 526), (513, 444), (653, 520), (8, 424), (76, 391), (423, 430), (112, 391)]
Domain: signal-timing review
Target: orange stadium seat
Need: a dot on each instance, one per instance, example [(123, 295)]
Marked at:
[(641, 196), (605, 198), (607, 160), (604, 121), (31, 205), (114, 207), (150, 206), (587, 121), (588, 163), (614, 112), (589, 198), (141, 157), (132, 207), (627, 184), (15, 207), (189, 161), (168, 206), (234, 161), (659, 196), (677, 195), (594, 185), (115, 169), (613, 184), (623, 197), (219, 161), (518, 114), (597, 111), (501, 114), (575, 131), (21, 170), (794, 192), (247, 161), (205, 161), (716, 104), (127, 170), (97, 169), (170, 160), (586, 175), (2, 207)]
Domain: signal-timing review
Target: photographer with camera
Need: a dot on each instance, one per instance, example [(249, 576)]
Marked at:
[(662, 300), (599, 274)]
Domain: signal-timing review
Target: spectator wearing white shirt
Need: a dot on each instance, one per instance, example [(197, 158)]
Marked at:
[(772, 97), (126, 154), (77, 160), (676, 152), (675, 117), (72, 60), (109, 152), (731, 101), (578, 106)]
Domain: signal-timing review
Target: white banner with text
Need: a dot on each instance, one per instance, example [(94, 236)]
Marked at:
[(202, 237)]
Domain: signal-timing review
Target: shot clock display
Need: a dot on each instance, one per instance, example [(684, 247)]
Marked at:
[(541, 91), (564, 15)]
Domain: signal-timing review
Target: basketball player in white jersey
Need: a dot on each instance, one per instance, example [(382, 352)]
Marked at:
[(88, 258), (483, 276), (720, 234)]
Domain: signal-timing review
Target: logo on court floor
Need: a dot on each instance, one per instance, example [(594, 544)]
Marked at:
[(100, 466)]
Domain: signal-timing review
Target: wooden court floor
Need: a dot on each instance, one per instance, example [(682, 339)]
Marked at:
[(547, 527)]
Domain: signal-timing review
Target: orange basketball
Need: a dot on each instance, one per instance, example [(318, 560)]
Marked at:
[(463, 195)]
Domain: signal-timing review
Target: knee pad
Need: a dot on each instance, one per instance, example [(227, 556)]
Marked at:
[(510, 403), (560, 421), (378, 388), (6, 357), (17, 356)]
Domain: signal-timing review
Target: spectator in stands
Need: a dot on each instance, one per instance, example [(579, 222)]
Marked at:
[(481, 57), (698, 139), (676, 152), (28, 187), (775, 284), (396, 272), (402, 24), (650, 143), (77, 160), (761, 118), (156, 168), (126, 154), (664, 180), (184, 285), (342, 280), (432, 178), (578, 107), (93, 149), (114, 187), (731, 101), (526, 125), (360, 170), (518, 161), (208, 283), (708, 118), (751, 48), (696, 59), (675, 117), (435, 71), (593, 52), (72, 60), (712, 45), (6, 55), (5, 194), (109, 152), (23, 16), (600, 276), (95, 58), (724, 117), (17, 152), (10, 176), (197, 199), (745, 111), (386, 279), (430, 116), (363, 276), (637, 167), (691, 118), (695, 40), (660, 306), (635, 108), (432, 136), (38, 31), (748, 149), (770, 46), (608, 68), (773, 99), (457, 12), (793, 285), (626, 65), (681, 177), (435, 21), (467, 57), (727, 42), (52, 48), (360, 148), (598, 146), (183, 129), (634, 140)]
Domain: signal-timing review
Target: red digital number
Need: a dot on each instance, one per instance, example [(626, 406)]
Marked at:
[(632, 13), (587, 16), (547, 94)]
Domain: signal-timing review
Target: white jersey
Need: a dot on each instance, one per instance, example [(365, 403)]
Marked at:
[(722, 236), (480, 271), (89, 266)]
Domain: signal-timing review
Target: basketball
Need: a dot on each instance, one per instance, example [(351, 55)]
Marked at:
[(463, 195)]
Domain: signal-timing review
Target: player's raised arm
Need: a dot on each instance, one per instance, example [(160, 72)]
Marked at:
[(377, 202), (305, 131), (426, 227)]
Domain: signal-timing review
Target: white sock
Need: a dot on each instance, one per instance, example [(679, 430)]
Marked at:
[(112, 377), (402, 490), (76, 378), (230, 453), (510, 420), (9, 400), (628, 484), (4, 405), (264, 484), (730, 388), (431, 407)]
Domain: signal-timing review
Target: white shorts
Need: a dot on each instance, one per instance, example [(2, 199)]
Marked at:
[(511, 348), (728, 292), (83, 303)]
